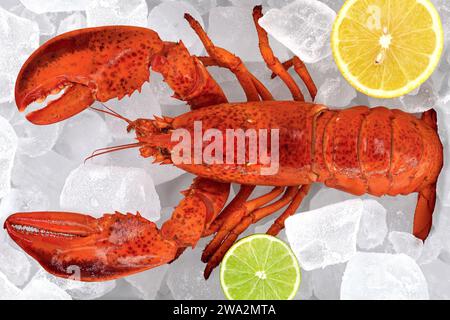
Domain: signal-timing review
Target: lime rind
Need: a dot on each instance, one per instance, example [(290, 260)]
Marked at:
[(413, 84), (246, 279)]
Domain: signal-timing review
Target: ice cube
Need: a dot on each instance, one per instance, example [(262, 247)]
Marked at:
[(167, 19), (373, 227), (443, 186), (14, 264), (404, 242), (400, 211), (186, 282), (303, 26), (443, 7), (8, 147), (335, 92), (148, 282), (43, 289), (46, 173), (8, 291), (381, 276), (422, 100), (327, 196), (171, 191), (45, 21), (164, 173), (327, 282), (117, 12), (97, 190), (278, 3), (73, 22), (163, 93), (81, 135), (8, 110), (306, 286), (202, 6), (139, 105), (233, 28), (34, 141), (432, 248), (23, 200), (325, 236), (76, 289), (438, 280), (132, 158), (55, 5), (334, 4), (19, 37), (246, 3)]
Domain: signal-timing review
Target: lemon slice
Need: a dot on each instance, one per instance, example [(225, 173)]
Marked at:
[(260, 267), (387, 48)]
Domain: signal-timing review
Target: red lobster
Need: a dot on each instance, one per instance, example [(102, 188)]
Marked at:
[(357, 150)]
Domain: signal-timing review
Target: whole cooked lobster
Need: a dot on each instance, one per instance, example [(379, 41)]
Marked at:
[(358, 150)]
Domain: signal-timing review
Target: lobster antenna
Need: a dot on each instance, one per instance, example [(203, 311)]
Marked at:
[(106, 150), (113, 113)]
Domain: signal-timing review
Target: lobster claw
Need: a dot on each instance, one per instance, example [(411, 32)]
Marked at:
[(80, 247), (94, 64)]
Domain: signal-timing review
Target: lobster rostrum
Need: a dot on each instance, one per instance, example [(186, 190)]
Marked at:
[(358, 150)]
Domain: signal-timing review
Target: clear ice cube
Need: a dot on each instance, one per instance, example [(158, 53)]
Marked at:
[(117, 12), (382, 276), (14, 264), (55, 5), (167, 19), (186, 282), (76, 289), (327, 282), (404, 242), (373, 227), (148, 282), (335, 92), (75, 21), (43, 289), (97, 190), (233, 28), (325, 236), (437, 275), (19, 37), (82, 135), (8, 291), (8, 147), (304, 26)]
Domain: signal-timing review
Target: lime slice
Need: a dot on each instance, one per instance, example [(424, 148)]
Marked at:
[(387, 48), (260, 267)]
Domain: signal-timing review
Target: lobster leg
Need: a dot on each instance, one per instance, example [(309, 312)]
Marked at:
[(238, 201), (226, 59), (271, 60), (234, 217), (263, 92), (303, 73), (249, 218), (278, 225)]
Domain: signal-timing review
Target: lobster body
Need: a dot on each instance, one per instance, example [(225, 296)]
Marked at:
[(358, 150)]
